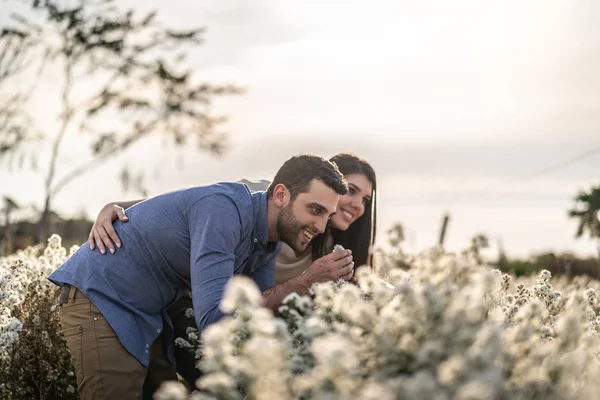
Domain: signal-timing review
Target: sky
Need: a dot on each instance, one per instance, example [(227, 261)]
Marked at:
[(457, 105)]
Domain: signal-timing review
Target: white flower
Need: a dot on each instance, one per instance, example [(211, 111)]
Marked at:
[(315, 326), (376, 391), (475, 390), (336, 350), (218, 381), (449, 372), (300, 303), (180, 342), (240, 292), (171, 390), (338, 247)]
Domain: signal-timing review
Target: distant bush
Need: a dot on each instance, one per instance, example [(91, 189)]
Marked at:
[(520, 268), (557, 264)]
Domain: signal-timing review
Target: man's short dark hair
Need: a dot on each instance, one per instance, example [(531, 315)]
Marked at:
[(298, 172)]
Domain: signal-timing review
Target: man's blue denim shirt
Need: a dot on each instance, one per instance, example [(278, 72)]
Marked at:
[(194, 239)]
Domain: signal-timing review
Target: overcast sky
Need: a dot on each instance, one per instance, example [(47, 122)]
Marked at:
[(454, 103)]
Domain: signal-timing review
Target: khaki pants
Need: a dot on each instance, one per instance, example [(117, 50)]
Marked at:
[(103, 367)]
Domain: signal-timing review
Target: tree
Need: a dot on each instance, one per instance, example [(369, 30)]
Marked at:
[(9, 206), (131, 67), (15, 54), (587, 211)]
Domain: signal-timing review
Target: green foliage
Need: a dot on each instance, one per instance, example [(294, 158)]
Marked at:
[(41, 366), (520, 267), (558, 264), (587, 207)]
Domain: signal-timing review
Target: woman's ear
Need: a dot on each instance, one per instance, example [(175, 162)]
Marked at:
[(281, 195)]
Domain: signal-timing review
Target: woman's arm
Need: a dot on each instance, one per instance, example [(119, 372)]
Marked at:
[(126, 204), (102, 233)]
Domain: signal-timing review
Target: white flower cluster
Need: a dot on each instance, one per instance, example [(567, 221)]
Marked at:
[(447, 328), (17, 272), (23, 277)]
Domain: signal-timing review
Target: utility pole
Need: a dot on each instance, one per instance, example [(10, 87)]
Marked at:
[(445, 220)]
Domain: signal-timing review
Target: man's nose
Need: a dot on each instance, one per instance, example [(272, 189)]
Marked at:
[(321, 224)]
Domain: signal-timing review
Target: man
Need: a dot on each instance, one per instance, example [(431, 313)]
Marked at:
[(113, 309)]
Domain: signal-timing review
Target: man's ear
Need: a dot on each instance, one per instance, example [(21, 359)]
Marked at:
[(281, 195)]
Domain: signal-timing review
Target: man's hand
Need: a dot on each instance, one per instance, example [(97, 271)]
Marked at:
[(103, 233), (332, 267)]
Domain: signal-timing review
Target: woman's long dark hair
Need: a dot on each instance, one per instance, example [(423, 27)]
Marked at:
[(360, 236)]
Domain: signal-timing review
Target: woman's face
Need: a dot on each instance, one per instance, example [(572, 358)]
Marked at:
[(352, 205)]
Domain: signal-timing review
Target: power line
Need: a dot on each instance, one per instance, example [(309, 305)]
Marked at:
[(527, 178), (568, 162)]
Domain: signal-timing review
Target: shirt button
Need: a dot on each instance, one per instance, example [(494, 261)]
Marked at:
[(255, 240), (146, 351), (158, 331), (147, 345)]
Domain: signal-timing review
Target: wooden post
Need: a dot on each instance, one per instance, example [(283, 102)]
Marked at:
[(445, 220)]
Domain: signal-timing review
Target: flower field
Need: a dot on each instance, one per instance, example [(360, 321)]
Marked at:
[(445, 328)]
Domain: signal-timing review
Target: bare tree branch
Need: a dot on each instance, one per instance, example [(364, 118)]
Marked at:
[(101, 158)]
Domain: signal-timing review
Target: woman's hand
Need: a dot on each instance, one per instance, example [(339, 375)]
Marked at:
[(102, 233)]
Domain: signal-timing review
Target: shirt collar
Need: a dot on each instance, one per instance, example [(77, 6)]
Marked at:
[(260, 233)]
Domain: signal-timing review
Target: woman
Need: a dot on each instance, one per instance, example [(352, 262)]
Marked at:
[(352, 226)]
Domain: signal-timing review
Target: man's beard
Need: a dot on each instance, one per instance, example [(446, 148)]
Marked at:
[(288, 228)]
